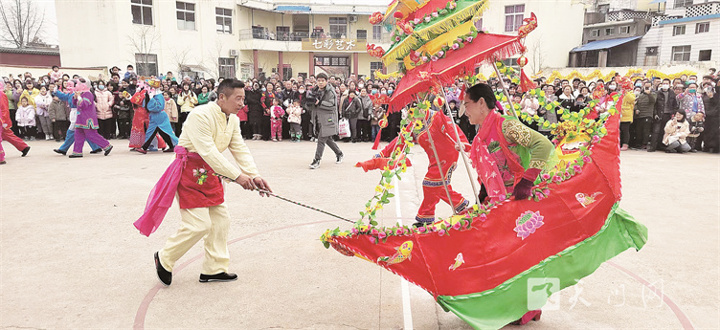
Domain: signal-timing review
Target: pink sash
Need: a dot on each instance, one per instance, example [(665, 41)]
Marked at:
[(161, 196), (486, 165)]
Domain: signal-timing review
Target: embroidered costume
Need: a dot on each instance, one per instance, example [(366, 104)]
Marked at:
[(159, 123), (86, 123), (276, 114), (443, 137), (6, 133)]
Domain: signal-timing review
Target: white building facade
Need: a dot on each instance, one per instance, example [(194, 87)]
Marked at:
[(687, 33), (250, 38)]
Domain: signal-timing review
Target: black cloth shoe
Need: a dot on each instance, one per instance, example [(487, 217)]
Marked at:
[(164, 275), (96, 151), (315, 164), (108, 149), (339, 158), (75, 156), (25, 151), (222, 277), (60, 152)]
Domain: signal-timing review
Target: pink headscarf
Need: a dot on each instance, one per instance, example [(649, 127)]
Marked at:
[(82, 88)]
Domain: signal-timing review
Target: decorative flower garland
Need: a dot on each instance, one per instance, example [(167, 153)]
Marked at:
[(573, 123)]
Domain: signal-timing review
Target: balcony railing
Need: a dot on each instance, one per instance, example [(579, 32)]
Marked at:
[(703, 9), (267, 33)]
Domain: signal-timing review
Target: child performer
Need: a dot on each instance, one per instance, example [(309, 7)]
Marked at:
[(159, 121), (25, 118), (6, 132)]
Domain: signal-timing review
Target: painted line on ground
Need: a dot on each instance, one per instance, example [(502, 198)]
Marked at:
[(404, 286), (139, 322), (684, 320)]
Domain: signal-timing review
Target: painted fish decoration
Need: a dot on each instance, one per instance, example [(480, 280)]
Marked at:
[(403, 252), (459, 260)]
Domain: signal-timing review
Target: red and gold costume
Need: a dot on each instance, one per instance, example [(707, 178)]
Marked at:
[(441, 130)]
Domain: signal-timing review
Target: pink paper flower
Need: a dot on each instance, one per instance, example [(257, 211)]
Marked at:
[(596, 139), (546, 191), (545, 176), (440, 53), (421, 230), (483, 217), (441, 232), (455, 46), (527, 223), (417, 21), (459, 40), (469, 39), (557, 178), (354, 231), (433, 58), (424, 58), (434, 14), (427, 18), (397, 38), (587, 159), (374, 232), (577, 168), (398, 232), (381, 235), (457, 226)]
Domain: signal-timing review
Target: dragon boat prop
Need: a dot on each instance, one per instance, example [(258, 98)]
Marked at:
[(484, 265)]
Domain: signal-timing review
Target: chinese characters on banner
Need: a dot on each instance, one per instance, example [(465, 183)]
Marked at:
[(331, 44)]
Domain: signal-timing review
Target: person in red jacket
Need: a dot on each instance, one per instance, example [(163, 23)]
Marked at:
[(6, 133), (437, 137)]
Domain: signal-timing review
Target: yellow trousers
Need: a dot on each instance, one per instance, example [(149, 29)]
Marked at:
[(212, 223)]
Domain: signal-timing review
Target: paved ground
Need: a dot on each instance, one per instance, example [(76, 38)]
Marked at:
[(72, 259)]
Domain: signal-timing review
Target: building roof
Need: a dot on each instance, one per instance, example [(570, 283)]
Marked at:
[(689, 19), (31, 51), (612, 23), (603, 44)]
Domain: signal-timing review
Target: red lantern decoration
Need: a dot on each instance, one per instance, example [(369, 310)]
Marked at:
[(522, 61)]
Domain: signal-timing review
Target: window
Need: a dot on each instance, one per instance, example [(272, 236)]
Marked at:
[(331, 60), (374, 66), (227, 67), (705, 55), (185, 15), (301, 26), (681, 53), (146, 64), (595, 33), (514, 17), (361, 34), (624, 29), (377, 32), (609, 31), (338, 27), (246, 71), (479, 24), (223, 20), (604, 9), (283, 33), (678, 30), (683, 3), (141, 12), (702, 27), (651, 51)]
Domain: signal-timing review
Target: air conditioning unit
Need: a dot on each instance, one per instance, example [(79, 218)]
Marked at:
[(234, 53), (352, 18)]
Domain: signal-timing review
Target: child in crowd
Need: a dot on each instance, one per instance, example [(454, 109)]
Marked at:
[(59, 112), (377, 114), (276, 114), (171, 110), (124, 113), (42, 103), (295, 112), (25, 118)]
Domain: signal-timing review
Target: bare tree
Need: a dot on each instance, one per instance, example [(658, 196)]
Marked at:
[(537, 60), (181, 58), (22, 22), (142, 42), (211, 62)]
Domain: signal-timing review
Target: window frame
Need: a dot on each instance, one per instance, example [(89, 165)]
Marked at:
[(516, 15), (609, 31), (377, 32), (698, 27), (679, 30), (595, 33), (626, 28), (185, 11), (709, 53), (338, 26), (223, 17), (357, 34), (227, 63), (685, 52), (682, 3), (142, 5), (142, 66)]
